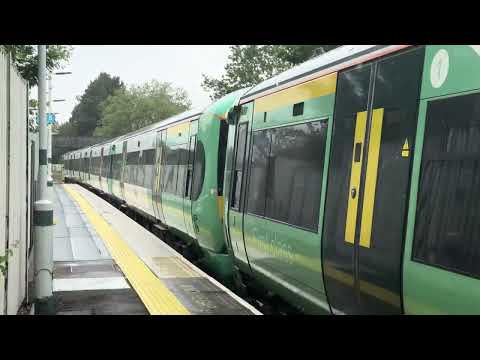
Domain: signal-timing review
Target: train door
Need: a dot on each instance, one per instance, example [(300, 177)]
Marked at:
[(187, 198), (101, 170), (238, 184), (90, 165), (159, 167), (367, 196), (110, 169), (124, 170)]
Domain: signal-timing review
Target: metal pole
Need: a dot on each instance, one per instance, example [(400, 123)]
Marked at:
[(50, 87), (43, 215), (42, 127), (49, 152)]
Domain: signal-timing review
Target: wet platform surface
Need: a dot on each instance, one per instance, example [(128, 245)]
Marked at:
[(74, 237), (105, 263)]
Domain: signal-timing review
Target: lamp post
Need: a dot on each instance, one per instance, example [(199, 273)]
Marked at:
[(43, 214), (50, 144)]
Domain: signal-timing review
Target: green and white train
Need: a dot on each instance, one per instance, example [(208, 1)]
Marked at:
[(349, 184)]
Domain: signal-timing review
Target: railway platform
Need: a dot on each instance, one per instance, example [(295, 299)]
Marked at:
[(106, 263)]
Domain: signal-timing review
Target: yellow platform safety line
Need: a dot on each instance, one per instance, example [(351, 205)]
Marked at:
[(350, 225), (371, 177), (157, 298)]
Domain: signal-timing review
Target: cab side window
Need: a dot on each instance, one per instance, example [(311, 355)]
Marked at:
[(198, 170), (238, 167)]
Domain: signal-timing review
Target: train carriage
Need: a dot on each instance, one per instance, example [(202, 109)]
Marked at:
[(339, 141)]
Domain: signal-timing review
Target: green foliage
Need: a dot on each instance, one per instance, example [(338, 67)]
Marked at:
[(4, 262), (251, 64), (25, 58), (32, 114), (87, 113), (131, 109), (66, 129)]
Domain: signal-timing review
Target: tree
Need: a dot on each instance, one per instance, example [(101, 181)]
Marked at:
[(251, 64), (25, 58), (131, 109), (66, 129), (86, 114)]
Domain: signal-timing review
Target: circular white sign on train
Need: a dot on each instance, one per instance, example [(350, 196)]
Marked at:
[(439, 68)]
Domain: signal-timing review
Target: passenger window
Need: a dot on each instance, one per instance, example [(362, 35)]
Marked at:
[(132, 165), (149, 159), (141, 170), (447, 229), (295, 174), (182, 170), (117, 166), (286, 173), (171, 170), (238, 168)]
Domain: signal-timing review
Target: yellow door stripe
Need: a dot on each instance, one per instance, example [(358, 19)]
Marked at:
[(359, 138), (371, 177), (158, 299), (312, 89), (405, 149), (220, 204)]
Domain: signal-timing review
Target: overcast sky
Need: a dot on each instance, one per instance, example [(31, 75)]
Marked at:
[(180, 65)]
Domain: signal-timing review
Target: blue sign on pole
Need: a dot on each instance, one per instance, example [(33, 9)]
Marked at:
[(50, 119)]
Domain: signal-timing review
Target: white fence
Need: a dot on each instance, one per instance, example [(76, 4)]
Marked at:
[(15, 202)]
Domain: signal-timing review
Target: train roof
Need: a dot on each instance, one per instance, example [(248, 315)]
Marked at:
[(171, 120), (314, 65)]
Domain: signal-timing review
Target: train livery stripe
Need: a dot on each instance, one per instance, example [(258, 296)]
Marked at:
[(371, 177), (330, 68), (357, 157), (306, 91), (367, 287), (179, 129), (157, 298)]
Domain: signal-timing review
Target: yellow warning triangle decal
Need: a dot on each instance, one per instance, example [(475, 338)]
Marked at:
[(405, 146)]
